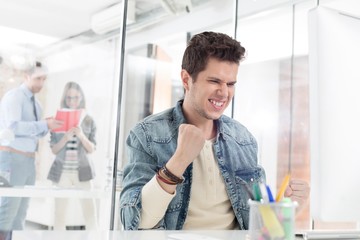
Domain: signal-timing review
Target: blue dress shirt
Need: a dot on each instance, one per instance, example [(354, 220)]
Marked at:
[(17, 115)]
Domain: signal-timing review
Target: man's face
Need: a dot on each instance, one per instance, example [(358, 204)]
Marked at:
[(35, 81), (212, 91)]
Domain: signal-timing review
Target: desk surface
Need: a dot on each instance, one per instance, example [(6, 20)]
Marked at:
[(131, 235)]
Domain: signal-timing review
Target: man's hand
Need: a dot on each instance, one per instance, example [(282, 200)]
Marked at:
[(52, 123), (190, 142), (299, 191)]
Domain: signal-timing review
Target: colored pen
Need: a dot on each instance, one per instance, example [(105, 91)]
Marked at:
[(269, 193), (271, 222), (288, 218), (283, 186), (257, 192)]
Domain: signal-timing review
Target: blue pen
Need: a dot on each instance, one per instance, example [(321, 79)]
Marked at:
[(271, 198)]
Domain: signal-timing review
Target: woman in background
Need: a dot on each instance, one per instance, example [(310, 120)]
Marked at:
[(72, 166)]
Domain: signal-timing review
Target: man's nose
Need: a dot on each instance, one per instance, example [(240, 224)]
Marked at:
[(223, 89)]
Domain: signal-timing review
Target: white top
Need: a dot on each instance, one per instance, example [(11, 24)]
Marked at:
[(209, 206)]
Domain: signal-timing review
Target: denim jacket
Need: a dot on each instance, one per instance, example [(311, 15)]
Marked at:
[(152, 142)]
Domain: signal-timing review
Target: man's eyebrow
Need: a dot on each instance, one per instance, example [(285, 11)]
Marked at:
[(213, 78), (218, 79)]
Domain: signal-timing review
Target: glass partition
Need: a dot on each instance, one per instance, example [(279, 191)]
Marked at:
[(334, 75), (271, 98), (153, 58), (68, 184)]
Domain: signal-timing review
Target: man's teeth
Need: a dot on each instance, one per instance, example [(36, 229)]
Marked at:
[(218, 104)]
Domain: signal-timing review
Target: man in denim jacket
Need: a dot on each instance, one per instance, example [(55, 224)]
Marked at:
[(188, 166)]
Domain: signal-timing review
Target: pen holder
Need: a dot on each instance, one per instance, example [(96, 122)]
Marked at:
[(270, 221)]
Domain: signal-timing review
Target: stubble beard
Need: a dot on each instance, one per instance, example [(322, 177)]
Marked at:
[(202, 113)]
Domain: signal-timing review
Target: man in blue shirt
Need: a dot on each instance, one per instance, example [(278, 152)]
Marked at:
[(21, 128)]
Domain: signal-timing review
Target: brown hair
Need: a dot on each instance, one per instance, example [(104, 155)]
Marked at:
[(207, 45), (72, 85), (37, 66)]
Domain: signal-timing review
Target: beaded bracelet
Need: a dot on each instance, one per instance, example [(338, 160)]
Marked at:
[(172, 177)]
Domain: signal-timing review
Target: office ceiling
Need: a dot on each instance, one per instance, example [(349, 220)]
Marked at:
[(50, 17), (65, 18)]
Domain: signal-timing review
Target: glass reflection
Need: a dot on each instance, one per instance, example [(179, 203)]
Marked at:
[(69, 60)]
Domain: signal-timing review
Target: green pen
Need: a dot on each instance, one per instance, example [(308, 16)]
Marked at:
[(257, 192), (288, 217)]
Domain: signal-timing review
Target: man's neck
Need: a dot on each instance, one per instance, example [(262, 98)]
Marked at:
[(208, 127), (212, 133)]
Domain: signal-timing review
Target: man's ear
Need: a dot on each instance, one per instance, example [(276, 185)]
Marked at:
[(186, 78)]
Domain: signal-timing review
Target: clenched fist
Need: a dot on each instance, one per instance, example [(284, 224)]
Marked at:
[(190, 142), (299, 191)]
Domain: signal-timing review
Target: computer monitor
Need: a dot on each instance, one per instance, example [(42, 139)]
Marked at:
[(334, 62)]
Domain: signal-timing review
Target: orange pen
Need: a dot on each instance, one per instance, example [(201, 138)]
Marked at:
[(283, 186)]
